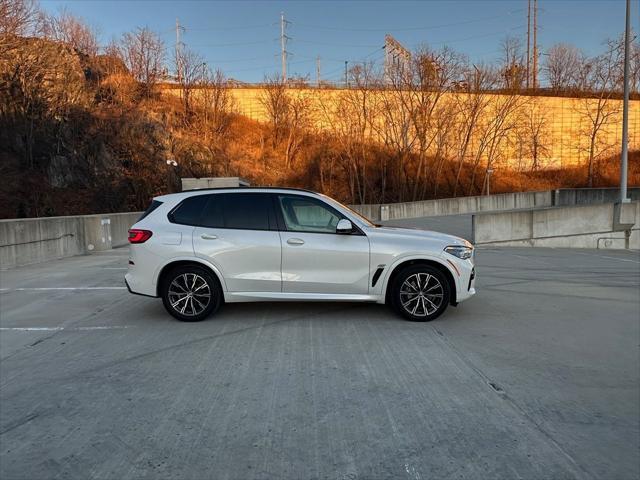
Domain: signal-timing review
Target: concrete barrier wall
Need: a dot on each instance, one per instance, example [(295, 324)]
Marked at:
[(455, 206), (493, 203), (590, 196), (35, 240), (576, 226)]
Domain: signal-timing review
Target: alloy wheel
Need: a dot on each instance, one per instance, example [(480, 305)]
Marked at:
[(421, 294), (189, 294)]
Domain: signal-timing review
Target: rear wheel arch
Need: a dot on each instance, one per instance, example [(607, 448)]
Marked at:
[(422, 261), (166, 269)]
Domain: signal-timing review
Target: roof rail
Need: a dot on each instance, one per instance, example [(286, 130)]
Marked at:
[(253, 187)]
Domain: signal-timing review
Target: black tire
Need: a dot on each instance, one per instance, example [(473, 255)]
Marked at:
[(427, 300), (191, 279)]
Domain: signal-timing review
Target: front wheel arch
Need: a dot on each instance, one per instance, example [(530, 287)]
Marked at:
[(421, 261)]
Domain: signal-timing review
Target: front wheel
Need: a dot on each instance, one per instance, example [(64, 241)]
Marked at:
[(420, 293), (191, 293)]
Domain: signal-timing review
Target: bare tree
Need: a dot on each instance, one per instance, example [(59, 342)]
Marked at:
[(217, 103), (601, 77), (635, 66), (298, 125), (17, 17), (357, 107), (512, 63), (470, 109), (562, 66), (276, 103), (534, 133), (433, 74), (144, 53), (191, 67), (72, 30)]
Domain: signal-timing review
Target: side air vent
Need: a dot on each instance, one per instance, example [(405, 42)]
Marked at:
[(376, 275)]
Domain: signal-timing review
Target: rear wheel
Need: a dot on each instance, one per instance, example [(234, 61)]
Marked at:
[(420, 293), (191, 293)]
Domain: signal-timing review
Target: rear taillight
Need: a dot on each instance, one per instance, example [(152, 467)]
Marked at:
[(139, 236)]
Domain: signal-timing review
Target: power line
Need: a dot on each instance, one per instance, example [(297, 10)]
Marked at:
[(214, 45), (238, 27), (361, 60), (312, 42), (401, 29), (474, 37), (264, 67)]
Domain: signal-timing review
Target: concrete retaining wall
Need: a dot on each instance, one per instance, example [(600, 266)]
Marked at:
[(35, 240), (576, 226)]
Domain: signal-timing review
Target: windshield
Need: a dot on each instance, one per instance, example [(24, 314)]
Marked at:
[(364, 219)]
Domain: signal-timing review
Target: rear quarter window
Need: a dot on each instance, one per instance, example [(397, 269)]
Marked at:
[(154, 204)]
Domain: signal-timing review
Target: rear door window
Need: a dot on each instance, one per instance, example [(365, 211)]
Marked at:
[(247, 211)]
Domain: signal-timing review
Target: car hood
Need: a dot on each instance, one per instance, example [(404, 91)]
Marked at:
[(415, 233)]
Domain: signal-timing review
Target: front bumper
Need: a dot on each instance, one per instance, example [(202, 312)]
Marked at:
[(466, 280)]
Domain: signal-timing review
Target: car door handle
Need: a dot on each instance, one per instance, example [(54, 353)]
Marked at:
[(295, 241), (206, 236)]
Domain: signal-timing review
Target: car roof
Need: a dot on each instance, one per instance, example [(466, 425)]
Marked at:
[(188, 193)]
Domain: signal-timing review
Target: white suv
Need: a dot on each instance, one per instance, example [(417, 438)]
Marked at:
[(199, 248)]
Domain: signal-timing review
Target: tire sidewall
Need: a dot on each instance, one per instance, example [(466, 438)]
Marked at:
[(407, 272), (214, 285)]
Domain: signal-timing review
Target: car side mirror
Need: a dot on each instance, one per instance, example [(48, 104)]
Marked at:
[(344, 226)]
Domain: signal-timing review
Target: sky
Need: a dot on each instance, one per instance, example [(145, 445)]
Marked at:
[(242, 37)]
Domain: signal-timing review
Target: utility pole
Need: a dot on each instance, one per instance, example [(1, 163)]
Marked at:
[(535, 44), (283, 46), (489, 172), (346, 78), (318, 71), (528, 41), (625, 108)]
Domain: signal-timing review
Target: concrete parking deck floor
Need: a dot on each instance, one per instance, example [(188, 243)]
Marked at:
[(535, 377)]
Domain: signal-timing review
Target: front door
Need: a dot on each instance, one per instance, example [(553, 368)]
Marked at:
[(315, 259), (238, 234)]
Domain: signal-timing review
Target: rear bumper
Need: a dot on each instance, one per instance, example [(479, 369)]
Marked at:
[(134, 288)]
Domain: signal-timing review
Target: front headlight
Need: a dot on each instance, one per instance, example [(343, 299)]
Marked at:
[(460, 251)]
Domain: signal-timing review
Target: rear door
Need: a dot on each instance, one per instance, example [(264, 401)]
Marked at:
[(238, 234), (315, 259)]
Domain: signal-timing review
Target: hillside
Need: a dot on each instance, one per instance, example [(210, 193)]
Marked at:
[(79, 135)]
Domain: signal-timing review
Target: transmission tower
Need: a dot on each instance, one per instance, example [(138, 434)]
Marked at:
[(283, 45), (179, 28)]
